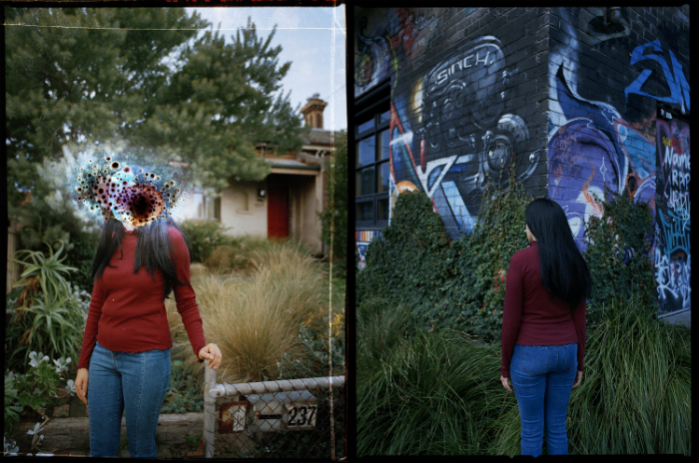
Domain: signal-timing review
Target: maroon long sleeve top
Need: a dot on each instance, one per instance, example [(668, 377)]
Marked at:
[(127, 310), (530, 317)]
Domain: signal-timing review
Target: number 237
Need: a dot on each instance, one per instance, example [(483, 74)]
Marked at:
[(302, 416)]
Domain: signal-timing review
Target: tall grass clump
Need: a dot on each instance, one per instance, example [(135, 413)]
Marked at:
[(635, 396), (242, 254), (428, 394), (255, 321)]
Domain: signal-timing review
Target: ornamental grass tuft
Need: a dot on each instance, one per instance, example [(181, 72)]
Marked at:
[(255, 320), (439, 394)]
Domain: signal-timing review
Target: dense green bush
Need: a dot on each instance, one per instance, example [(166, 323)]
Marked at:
[(407, 263), (203, 237), (81, 253), (618, 254), (431, 394), (459, 284)]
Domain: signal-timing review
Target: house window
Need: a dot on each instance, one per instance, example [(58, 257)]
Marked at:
[(207, 208), (371, 162)]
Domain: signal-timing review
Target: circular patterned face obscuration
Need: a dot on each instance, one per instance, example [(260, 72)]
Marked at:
[(114, 188), (145, 205)]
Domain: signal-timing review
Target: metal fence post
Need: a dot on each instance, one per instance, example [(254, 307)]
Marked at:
[(209, 411)]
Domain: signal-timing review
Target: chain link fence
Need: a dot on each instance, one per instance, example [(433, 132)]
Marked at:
[(297, 418)]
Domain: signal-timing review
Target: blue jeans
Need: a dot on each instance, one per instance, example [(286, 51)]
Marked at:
[(542, 378), (132, 382)]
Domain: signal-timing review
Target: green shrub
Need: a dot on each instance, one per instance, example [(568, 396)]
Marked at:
[(80, 255), (618, 254), (483, 257), (458, 285), (203, 236), (12, 412), (183, 393), (407, 262)]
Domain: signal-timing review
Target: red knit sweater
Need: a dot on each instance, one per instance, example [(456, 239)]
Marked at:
[(127, 310), (530, 317)]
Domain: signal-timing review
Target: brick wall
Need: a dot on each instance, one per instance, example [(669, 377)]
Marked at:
[(469, 90), (605, 85), (571, 98)]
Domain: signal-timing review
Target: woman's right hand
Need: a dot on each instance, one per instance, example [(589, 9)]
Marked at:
[(81, 384), (578, 378)]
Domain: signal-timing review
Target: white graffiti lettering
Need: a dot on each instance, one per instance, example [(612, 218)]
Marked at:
[(673, 278), (462, 64), (680, 179), (674, 160), (678, 200)]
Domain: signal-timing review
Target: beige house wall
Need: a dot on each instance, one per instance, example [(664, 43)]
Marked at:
[(241, 212), (304, 223)]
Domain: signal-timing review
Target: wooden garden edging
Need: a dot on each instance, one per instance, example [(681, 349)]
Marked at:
[(74, 433)]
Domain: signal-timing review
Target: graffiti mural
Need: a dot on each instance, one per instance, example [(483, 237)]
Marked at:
[(596, 148), (621, 143), (371, 65), (386, 44), (679, 88), (362, 240), (464, 135), (673, 252)]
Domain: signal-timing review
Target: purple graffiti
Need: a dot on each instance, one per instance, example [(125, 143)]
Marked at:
[(595, 149)]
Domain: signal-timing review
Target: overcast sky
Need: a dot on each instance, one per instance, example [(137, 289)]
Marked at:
[(312, 38)]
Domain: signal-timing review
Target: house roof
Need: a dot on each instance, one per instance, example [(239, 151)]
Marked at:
[(320, 137), (290, 164)]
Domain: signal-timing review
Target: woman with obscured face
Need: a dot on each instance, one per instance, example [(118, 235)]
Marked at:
[(142, 257), (543, 327)]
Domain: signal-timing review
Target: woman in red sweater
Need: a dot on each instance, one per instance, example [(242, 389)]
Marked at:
[(142, 257), (543, 327)]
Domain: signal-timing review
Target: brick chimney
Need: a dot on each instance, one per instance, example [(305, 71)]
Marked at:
[(313, 111)]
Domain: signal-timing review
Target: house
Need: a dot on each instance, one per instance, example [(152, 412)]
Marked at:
[(287, 202)]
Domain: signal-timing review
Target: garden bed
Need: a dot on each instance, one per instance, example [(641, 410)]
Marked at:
[(74, 433)]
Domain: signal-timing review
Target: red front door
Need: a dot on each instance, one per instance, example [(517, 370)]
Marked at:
[(277, 207)]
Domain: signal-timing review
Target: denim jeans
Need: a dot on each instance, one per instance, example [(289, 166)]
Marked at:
[(132, 382), (542, 378)]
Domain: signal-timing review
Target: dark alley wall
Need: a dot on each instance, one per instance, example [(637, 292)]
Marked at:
[(606, 85), (572, 95)]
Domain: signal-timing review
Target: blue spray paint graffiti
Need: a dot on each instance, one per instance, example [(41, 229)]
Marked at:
[(679, 88)]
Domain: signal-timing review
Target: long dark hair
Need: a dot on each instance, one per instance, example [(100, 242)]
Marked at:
[(564, 272), (153, 243)]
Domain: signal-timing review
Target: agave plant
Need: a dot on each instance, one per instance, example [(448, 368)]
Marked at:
[(48, 270), (55, 327)]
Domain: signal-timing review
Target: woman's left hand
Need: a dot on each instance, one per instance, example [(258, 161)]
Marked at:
[(212, 353), (505, 384)]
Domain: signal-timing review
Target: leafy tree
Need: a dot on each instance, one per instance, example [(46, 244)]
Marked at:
[(336, 213), (139, 78)]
